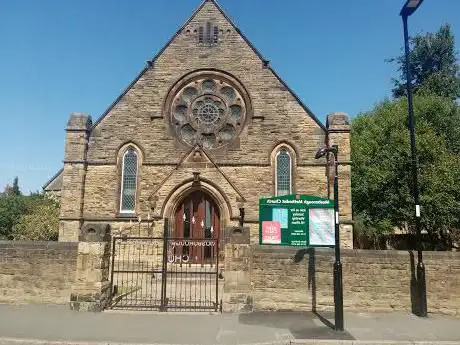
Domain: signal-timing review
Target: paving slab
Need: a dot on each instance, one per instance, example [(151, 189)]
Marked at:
[(41, 324)]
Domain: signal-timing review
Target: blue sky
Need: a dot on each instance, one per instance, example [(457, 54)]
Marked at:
[(60, 56)]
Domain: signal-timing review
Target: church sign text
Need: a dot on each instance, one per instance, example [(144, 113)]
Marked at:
[(296, 220)]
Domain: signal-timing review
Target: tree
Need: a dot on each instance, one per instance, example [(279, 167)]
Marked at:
[(11, 208), (17, 211), (11, 190), (40, 224), (382, 190), (434, 68), (15, 189)]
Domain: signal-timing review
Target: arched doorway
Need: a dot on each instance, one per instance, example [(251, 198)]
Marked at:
[(197, 219)]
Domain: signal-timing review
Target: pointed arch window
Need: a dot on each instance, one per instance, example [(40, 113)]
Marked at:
[(129, 181), (283, 172)]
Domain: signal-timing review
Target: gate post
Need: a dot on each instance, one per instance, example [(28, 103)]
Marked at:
[(237, 270), (164, 268), (91, 290)]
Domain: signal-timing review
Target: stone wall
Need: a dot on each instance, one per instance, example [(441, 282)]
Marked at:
[(37, 272), (288, 279), (91, 290)]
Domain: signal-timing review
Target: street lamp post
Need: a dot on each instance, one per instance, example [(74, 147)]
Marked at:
[(338, 288), (410, 7)]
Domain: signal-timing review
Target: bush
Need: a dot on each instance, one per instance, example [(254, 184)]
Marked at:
[(41, 223)]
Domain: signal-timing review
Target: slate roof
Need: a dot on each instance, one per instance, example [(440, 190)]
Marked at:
[(55, 183)]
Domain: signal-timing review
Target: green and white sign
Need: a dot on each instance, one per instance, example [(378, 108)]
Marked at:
[(297, 220)]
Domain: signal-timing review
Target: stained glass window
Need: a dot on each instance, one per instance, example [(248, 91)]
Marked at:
[(283, 173), (129, 181)]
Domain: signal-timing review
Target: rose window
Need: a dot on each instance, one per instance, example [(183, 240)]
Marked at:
[(210, 111)]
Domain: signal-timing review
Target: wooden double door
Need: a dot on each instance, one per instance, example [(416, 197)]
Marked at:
[(197, 228)]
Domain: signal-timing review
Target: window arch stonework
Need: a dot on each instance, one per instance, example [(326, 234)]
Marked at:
[(283, 159), (129, 163), (209, 108), (283, 173)]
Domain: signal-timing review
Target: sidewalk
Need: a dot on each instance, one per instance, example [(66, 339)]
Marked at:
[(38, 324)]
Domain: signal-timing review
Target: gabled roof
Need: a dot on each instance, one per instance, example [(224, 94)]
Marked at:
[(54, 183), (263, 60)]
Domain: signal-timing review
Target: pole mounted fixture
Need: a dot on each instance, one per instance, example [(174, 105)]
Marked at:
[(325, 150), (410, 7), (338, 287)]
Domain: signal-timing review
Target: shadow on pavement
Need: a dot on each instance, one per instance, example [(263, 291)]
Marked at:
[(302, 325)]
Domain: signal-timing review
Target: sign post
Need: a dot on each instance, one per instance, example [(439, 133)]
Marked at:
[(296, 220)]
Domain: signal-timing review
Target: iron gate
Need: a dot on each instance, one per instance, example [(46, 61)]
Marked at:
[(165, 273)]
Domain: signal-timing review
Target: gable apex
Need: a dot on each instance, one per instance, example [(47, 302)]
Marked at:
[(227, 18), (265, 63)]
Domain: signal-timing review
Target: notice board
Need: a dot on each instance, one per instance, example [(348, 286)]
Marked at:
[(297, 220)]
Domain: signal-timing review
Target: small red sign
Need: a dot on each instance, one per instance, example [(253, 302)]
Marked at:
[(271, 232)]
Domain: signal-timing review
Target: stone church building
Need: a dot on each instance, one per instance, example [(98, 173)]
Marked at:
[(204, 131)]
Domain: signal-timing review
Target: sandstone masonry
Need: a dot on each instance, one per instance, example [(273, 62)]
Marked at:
[(37, 272), (235, 174), (262, 278)]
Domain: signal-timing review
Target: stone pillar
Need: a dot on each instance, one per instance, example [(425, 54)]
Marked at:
[(338, 131), (237, 271), (73, 180), (91, 290)]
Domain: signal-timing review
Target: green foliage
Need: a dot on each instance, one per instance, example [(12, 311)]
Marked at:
[(32, 217), (382, 175), (15, 189), (12, 191), (434, 68), (11, 209), (382, 180), (40, 224), (374, 231)]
